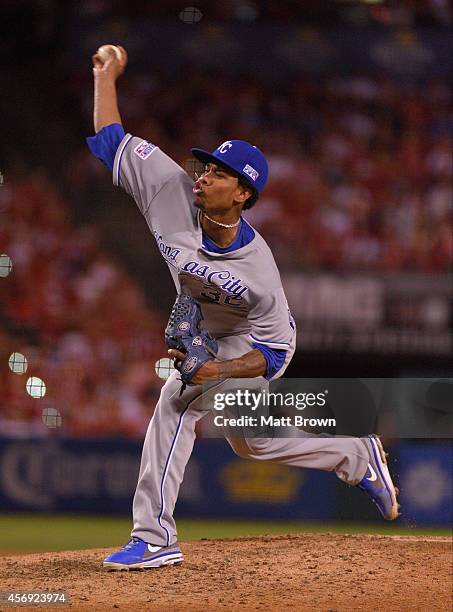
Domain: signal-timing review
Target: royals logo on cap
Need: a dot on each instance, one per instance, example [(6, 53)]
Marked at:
[(242, 157), (225, 146)]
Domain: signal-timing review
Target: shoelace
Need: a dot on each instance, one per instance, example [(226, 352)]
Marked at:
[(131, 543)]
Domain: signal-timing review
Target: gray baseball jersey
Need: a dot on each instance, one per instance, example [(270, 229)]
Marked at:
[(240, 292)]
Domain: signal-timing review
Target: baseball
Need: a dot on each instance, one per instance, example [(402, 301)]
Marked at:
[(107, 51)]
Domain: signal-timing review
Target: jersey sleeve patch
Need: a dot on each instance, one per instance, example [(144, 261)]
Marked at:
[(144, 149)]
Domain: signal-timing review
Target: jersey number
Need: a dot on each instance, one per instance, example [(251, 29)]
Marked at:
[(215, 295)]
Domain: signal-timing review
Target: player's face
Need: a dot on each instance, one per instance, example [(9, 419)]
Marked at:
[(218, 190)]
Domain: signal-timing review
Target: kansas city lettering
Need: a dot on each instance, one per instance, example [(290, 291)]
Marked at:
[(166, 250), (231, 284)]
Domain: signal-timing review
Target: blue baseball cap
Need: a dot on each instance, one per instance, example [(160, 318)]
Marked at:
[(242, 157)]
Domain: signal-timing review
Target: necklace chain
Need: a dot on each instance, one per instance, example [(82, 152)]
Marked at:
[(228, 225)]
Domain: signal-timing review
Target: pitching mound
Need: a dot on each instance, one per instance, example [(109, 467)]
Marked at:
[(304, 572)]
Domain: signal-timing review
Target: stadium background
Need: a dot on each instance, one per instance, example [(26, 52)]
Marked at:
[(352, 105)]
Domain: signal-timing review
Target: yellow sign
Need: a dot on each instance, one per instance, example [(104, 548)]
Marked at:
[(264, 482)]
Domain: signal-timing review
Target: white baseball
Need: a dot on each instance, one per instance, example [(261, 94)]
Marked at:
[(106, 51)]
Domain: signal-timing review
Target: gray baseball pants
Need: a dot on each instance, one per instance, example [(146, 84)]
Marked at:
[(170, 438)]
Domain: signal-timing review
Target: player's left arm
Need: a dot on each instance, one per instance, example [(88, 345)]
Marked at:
[(249, 365), (272, 332)]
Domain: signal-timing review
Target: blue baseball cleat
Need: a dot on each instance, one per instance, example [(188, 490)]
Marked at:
[(137, 554), (377, 481)]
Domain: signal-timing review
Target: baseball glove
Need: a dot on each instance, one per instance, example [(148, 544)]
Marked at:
[(184, 333)]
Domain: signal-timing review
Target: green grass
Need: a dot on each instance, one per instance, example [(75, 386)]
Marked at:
[(49, 533)]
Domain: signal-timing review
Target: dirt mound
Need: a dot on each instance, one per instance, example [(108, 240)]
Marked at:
[(327, 572)]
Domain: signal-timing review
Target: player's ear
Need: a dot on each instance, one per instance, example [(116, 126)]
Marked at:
[(244, 193)]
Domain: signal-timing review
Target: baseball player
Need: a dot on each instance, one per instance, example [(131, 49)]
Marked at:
[(224, 272)]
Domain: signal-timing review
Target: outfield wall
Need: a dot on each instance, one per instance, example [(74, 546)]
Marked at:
[(99, 476)]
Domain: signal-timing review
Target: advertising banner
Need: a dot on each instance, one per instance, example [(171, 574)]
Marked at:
[(372, 314), (100, 476)]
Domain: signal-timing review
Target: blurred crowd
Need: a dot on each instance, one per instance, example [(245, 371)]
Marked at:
[(360, 168), (79, 319), (360, 181)]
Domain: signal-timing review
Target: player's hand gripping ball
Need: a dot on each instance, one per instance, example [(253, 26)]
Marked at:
[(110, 60), (107, 51)]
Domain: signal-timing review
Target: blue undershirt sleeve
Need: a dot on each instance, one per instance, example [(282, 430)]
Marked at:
[(275, 358), (106, 142)]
